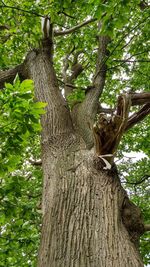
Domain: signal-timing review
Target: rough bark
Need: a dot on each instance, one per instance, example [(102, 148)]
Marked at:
[(84, 207), (56, 128), (85, 113), (85, 222)]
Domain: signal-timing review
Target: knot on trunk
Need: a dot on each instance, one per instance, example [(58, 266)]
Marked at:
[(132, 219)]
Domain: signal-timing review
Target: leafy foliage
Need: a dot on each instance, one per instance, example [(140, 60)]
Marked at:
[(20, 189), (19, 120)]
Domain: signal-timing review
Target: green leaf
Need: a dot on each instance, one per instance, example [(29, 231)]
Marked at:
[(39, 105), (26, 86)]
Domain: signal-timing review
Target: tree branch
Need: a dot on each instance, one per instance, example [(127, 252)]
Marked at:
[(125, 35), (9, 75), (84, 114), (22, 10), (67, 15), (66, 64), (101, 68), (35, 163), (143, 5), (76, 69), (4, 27), (147, 227), (145, 177), (130, 61), (140, 98), (138, 116), (75, 28)]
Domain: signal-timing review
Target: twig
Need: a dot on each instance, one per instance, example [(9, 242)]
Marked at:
[(124, 61), (128, 42), (67, 15), (4, 27), (130, 61), (124, 36), (67, 84), (34, 196), (145, 177), (35, 163)]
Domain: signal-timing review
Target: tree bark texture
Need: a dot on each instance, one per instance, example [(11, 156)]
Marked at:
[(87, 217)]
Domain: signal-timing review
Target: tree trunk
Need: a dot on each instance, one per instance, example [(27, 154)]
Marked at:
[(82, 223), (87, 217)]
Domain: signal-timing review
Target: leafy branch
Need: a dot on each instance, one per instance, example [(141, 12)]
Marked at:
[(21, 9), (124, 36)]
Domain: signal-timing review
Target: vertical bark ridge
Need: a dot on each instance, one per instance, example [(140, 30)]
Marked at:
[(57, 119), (82, 221), (57, 126)]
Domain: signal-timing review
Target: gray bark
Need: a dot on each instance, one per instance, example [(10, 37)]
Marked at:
[(82, 221), (87, 219)]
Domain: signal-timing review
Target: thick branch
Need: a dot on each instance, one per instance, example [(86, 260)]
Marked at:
[(76, 70), (101, 68), (75, 28), (84, 114), (147, 227), (140, 98), (138, 116), (9, 75)]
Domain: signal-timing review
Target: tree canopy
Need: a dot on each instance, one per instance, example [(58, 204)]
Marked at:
[(126, 23)]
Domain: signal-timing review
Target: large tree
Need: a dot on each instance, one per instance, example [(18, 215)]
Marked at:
[(89, 52)]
